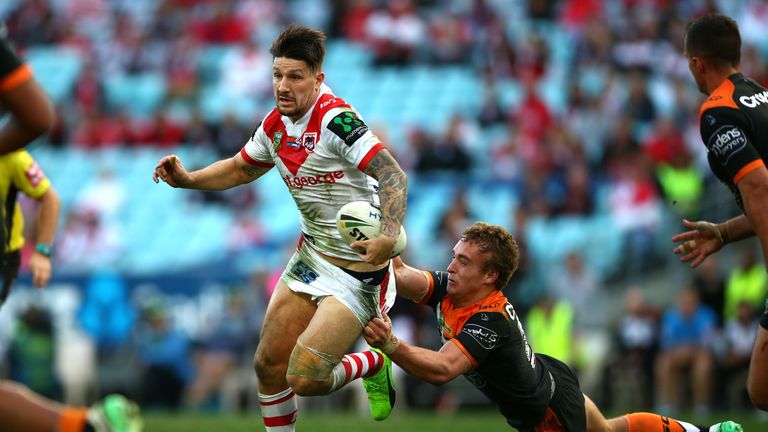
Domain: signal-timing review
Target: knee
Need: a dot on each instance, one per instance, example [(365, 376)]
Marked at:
[(267, 365), (304, 386)]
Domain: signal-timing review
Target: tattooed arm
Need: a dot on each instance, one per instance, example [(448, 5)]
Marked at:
[(220, 175), (393, 195)]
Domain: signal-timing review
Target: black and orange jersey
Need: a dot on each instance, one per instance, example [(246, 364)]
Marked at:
[(734, 127), (490, 334), (13, 71)]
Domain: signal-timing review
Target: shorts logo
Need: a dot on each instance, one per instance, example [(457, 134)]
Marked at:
[(348, 127), (276, 138), (308, 140), (727, 141), (487, 338), (304, 272)]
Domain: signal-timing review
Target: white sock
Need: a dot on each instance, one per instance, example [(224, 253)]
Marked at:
[(354, 366), (279, 411)]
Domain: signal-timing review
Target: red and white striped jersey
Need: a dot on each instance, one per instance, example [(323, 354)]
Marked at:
[(321, 159)]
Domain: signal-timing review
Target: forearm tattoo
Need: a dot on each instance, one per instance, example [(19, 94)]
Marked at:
[(393, 191)]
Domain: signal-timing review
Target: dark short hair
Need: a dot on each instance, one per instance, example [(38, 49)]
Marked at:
[(715, 38), (499, 243), (300, 43)]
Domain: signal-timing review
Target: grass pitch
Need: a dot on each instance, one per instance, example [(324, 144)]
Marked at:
[(341, 421)]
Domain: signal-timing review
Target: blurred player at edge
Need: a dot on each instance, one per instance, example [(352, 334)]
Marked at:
[(31, 116), (327, 157), (734, 128), (484, 340)]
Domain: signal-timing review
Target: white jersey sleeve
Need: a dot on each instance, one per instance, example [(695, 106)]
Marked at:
[(256, 150), (350, 136)]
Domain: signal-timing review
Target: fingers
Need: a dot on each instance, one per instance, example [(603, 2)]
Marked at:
[(684, 236), (164, 167)]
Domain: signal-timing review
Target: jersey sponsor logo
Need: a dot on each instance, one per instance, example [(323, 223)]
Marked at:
[(293, 143), (326, 103), (476, 379), (528, 352), (725, 142), (276, 139), (755, 100), (348, 127), (34, 174), (308, 141), (304, 272), (300, 182), (486, 337)]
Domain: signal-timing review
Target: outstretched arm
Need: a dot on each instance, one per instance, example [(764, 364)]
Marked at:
[(220, 175), (435, 367), (393, 197), (411, 283)]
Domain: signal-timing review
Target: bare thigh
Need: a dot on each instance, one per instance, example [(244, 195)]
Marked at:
[(332, 330), (596, 422), (287, 316)]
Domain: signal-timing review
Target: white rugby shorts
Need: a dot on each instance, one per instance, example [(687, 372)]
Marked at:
[(308, 272)]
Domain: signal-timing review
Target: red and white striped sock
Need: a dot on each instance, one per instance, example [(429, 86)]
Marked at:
[(354, 366), (279, 411)]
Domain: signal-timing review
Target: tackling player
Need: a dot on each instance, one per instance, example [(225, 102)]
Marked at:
[(30, 116), (484, 340), (327, 157), (734, 127)]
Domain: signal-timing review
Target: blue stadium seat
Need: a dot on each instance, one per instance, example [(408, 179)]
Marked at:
[(56, 68)]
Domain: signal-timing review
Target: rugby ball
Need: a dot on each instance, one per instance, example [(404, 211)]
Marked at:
[(360, 220)]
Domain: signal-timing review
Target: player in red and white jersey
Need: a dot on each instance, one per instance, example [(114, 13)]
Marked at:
[(326, 156)]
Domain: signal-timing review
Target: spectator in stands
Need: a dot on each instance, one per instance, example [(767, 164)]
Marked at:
[(739, 335), (396, 33), (549, 325), (632, 362), (686, 341), (32, 353), (748, 281), (709, 282), (164, 352), (445, 154)]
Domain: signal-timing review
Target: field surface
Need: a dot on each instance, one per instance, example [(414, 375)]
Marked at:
[(465, 421)]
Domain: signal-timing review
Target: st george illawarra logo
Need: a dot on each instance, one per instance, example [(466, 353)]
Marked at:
[(308, 140)]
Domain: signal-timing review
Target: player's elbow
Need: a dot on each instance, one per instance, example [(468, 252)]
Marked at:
[(441, 376), (41, 122)]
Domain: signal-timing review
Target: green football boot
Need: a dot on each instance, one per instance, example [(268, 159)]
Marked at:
[(381, 390), (727, 426), (115, 413)]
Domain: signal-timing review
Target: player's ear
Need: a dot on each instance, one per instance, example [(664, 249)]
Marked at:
[(491, 276), (319, 78)]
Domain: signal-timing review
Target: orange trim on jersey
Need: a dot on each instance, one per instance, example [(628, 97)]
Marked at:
[(455, 318), (252, 161), (430, 288), (466, 353), (17, 77), (746, 169), (721, 97), (550, 423), (371, 153)]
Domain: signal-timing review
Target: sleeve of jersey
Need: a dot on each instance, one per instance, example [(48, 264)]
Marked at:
[(438, 288), (12, 70), (256, 150), (350, 136), (723, 131), (481, 336), (27, 175)]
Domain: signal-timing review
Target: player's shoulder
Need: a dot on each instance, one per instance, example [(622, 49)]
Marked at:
[(494, 305), (722, 97), (20, 157)]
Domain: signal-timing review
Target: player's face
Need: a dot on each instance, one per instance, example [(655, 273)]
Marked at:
[(295, 86), (466, 275)]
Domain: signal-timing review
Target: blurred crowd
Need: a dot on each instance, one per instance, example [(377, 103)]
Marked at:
[(605, 124)]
